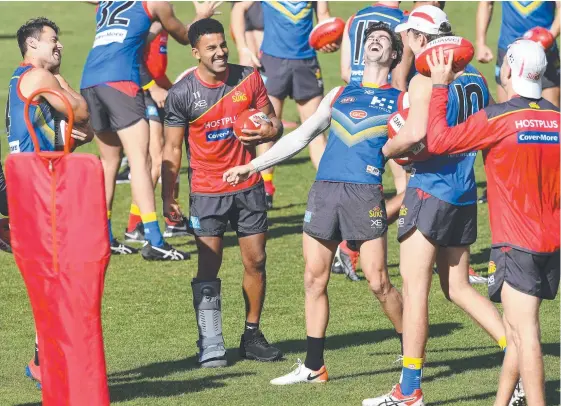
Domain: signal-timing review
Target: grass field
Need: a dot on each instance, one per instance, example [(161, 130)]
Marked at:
[(148, 319)]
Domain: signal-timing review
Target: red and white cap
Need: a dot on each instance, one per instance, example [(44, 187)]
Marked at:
[(528, 62), (425, 19)]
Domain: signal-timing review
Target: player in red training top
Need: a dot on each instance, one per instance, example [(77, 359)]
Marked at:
[(520, 142), (202, 107)]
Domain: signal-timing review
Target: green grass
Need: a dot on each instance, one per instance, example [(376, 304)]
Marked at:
[(148, 320)]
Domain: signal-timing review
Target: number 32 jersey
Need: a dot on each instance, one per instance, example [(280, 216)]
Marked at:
[(120, 34)]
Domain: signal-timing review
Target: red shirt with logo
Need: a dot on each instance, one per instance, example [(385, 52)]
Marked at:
[(520, 143), (156, 58), (208, 112)]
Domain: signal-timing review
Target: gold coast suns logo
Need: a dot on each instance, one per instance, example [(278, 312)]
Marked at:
[(375, 212), (403, 210), (534, 105), (492, 268), (239, 96)]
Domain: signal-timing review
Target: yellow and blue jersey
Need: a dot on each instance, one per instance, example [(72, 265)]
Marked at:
[(44, 118), (451, 177), (287, 27), (359, 130), (520, 16), (359, 23), (122, 27)]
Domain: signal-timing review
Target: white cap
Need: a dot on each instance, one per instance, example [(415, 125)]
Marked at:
[(425, 19), (528, 62)]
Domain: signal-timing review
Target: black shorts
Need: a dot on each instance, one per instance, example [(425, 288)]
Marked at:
[(550, 77), (534, 274), (153, 112), (246, 211), (340, 211), (445, 224), (112, 110), (299, 79), (254, 17)]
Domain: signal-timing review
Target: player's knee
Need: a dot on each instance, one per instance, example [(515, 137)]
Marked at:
[(380, 285), (255, 263), (315, 281)]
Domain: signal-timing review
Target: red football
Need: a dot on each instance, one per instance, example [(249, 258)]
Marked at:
[(327, 32), (540, 35), (463, 53), (247, 120), (418, 152)]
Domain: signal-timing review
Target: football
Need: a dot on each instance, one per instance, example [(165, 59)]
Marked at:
[(247, 121), (418, 152), (540, 35), (463, 53), (327, 32)]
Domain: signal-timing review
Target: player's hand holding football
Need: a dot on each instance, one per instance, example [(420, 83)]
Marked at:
[(265, 133), (329, 48), (238, 174), (440, 68)]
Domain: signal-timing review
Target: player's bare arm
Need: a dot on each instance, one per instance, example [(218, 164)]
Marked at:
[(171, 163), (155, 29), (401, 71), (237, 24), (267, 131), (289, 145), (163, 12), (415, 127), (322, 15), (483, 19), (42, 78), (346, 53)]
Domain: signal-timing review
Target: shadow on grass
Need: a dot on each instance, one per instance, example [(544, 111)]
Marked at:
[(551, 396), (122, 392)]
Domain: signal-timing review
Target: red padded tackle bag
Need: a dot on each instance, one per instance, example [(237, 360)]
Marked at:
[(58, 226)]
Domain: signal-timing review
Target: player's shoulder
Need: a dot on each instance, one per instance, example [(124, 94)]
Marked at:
[(419, 83), (240, 72)]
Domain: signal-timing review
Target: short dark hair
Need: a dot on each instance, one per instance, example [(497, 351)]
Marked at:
[(202, 27), (397, 44), (445, 30), (33, 28)]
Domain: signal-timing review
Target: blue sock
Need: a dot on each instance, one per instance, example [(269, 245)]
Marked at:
[(151, 230), (410, 380), (411, 375)]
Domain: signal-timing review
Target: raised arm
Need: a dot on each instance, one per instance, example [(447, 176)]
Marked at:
[(554, 29), (416, 123), (162, 11), (289, 145), (346, 52), (237, 22)]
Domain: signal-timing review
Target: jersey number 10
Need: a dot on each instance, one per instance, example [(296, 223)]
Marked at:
[(470, 100)]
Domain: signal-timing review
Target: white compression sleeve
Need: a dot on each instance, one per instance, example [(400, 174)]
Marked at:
[(289, 145)]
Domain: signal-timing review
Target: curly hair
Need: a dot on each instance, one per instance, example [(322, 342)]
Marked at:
[(397, 44)]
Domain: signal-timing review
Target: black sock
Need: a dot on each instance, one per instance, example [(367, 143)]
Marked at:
[(400, 336), (36, 358), (314, 354), (251, 328)]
